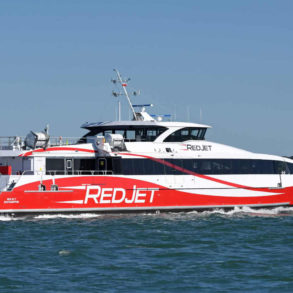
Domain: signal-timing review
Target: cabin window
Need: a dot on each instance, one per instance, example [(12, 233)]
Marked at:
[(141, 167), (281, 168), (55, 166), (129, 133), (108, 132), (188, 133), (290, 167), (201, 166), (120, 132), (116, 165), (84, 164)]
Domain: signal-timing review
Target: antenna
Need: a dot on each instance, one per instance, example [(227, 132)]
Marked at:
[(119, 111), (175, 107), (143, 106), (123, 83)]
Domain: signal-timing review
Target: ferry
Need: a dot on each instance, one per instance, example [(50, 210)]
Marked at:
[(144, 164)]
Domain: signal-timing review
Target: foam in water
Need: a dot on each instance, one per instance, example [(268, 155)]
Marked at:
[(64, 252), (248, 211), (237, 211), (7, 218), (67, 216)]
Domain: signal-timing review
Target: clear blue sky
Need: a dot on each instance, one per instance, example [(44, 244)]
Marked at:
[(232, 59)]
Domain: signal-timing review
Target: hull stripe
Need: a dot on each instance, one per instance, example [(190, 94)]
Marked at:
[(27, 154)]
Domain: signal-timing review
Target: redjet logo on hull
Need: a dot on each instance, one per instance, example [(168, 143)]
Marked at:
[(118, 195), (203, 148)]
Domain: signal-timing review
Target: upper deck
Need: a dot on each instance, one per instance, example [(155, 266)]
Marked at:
[(151, 131)]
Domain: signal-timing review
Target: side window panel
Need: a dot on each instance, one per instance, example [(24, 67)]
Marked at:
[(120, 132), (55, 166), (281, 168), (151, 167), (130, 135), (290, 167), (188, 133)]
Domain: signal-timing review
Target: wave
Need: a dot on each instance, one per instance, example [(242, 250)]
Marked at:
[(7, 218), (278, 211)]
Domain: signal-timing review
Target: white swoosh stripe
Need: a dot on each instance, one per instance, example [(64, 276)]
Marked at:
[(71, 201), (233, 192), (73, 187)]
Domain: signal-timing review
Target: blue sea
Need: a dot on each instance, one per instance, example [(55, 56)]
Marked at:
[(237, 251)]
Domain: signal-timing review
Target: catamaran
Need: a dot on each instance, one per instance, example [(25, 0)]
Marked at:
[(144, 164)]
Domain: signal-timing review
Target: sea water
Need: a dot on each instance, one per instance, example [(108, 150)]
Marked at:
[(238, 251)]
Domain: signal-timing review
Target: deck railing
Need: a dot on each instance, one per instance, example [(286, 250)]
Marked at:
[(60, 172), (10, 142), (79, 172), (17, 142), (57, 141)]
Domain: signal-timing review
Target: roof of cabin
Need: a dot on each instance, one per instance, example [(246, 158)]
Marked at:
[(113, 124)]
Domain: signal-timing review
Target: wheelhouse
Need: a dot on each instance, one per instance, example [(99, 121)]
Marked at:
[(130, 133), (146, 132), (186, 133)]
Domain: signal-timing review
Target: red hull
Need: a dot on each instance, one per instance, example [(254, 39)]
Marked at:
[(107, 193)]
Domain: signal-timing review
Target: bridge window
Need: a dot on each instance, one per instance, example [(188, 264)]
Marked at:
[(188, 133), (130, 135), (129, 132)]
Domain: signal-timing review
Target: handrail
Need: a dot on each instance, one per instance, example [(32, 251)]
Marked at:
[(12, 142), (60, 140), (17, 178), (59, 172), (23, 173), (79, 172)]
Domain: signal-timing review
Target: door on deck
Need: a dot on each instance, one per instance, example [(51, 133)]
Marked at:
[(102, 165), (69, 166)]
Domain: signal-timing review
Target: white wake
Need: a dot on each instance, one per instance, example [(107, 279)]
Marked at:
[(278, 211), (67, 216), (237, 211)]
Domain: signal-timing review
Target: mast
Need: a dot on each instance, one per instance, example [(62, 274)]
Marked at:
[(124, 84), (119, 110)]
